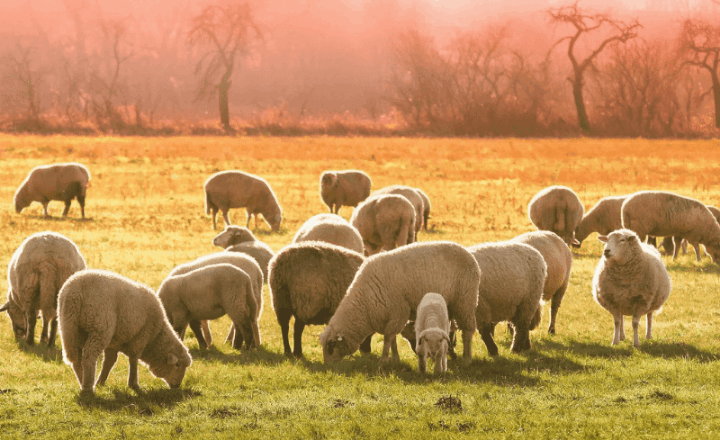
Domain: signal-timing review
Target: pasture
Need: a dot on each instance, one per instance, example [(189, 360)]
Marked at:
[(146, 209)]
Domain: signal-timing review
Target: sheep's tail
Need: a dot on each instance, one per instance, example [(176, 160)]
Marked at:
[(252, 307)]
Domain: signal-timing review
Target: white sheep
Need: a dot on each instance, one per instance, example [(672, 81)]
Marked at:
[(432, 328), (558, 259), (103, 312), (241, 239), (344, 188), (37, 271), (672, 245), (307, 281), (630, 279), (209, 293), (330, 228), (411, 194), (663, 214), (602, 218), (237, 189), (60, 181), (511, 288), (557, 209), (233, 235), (388, 288), (384, 222)]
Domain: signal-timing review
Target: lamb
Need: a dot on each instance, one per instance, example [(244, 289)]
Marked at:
[(432, 328), (511, 288), (557, 209), (60, 181), (344, 188), (37, 270), (236, 189), (603, 218), (209, 293), (330, 228), (412, 195), (558, 259), (240, 239), (103, 312), (384, 222), (307, 281), (388, 288), (630, 279), (664, 214), (426, 207)]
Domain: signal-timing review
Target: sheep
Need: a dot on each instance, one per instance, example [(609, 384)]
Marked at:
[(240, 239), (426, 207), (384, 222), (330, 228), (232, 235), (307, 281), (387, 289), (103, 312), (630, 279), (602, 218), (664, 214), (236, 189), (37, 270), (209, 293), (558, 259), (242, 261), (344, 188), (670, 243), (60, 181), (432, 328), (557, 209), (511, 288), (412, 195)]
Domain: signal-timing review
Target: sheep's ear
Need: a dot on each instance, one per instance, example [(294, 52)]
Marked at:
[(630, 238), (5, 306), (172, 359), (603, 238)]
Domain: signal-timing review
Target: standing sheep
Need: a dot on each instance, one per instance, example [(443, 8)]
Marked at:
[(412, 195), (102, 312), (602, 218), (60, 181), (558, 259), (384, 222), (307, 281), (37, 271), (664, 214), (236, 189), (557, 209), (630, 279), (388, 288), (344, 188), (432, 328), (241, 239), (330, 228), (209, 293)]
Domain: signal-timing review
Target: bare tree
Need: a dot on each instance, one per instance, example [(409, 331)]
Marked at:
[(700, 41), (227, 31), (21, 71), (584, 24)]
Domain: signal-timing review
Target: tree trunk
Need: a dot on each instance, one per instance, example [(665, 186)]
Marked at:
[(583, 120), (716, 94), (223, 88)]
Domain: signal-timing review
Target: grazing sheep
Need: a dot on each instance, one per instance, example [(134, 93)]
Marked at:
[(426, 207), (664, 214), (384, 222), (344, 188), (60, 181), (671, 243), (236, 189), (330, 228), (103, 312), (602, 218), (630, 279), (209, 293), (511, 288), (557, 209), (558, 259), (233, 235), (388, 288), (37, 271), (240, 239), (307, 281), (412, 195), (432, 328)]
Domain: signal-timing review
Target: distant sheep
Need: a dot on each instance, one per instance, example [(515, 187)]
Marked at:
[(37, 271), (60, 181), (388, 288), (630, 279), (384, 222), (602, 218), (236, 189), (558, 259), (209, 293), (412, 195), (240, 239), (664, 214), (330, 228), (557, 209), (307, 281), (672, 244), (344, 188), (102, 312), (432, 328), (232, 235)]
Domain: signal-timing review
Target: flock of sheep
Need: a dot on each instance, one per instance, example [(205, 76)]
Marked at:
[(362, 277)]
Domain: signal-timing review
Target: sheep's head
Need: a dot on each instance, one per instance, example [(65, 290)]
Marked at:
[(432, 342), (233, 235), (620, 245), (21, 200), (713, 250), (328, 180), (173, 370), (274, 221), (335, 346), (17, 318)]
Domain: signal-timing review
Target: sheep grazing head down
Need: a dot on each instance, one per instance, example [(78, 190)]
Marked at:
[(620, 246), (335, 346), (17, 318), (20, 199), (173, 371), (275, 221), (432, 343), (233, 235), (713, 250)]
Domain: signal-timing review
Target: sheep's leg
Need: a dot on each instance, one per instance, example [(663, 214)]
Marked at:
[(90, 354), (618, 320), (45, 329), (283, 317), (651, 240), (226, 216), (486, 334), (422, 362), (109, 360), (238, 339), (366, 345), (297, 337), (30, 320), (53, 332), (81, 201), (387, 344), (133, 374), (698, 252), (394, 349), (521, 341), (214, 214), (554, 307), (622, 328), (256, 221), (248, 335), (205, 326), (648, 330), (635, 324), (443, 361), (78, 369), (231, 334), (45, 208), (67, 208), (247, 223), (195, 326), (467, 336), (439, 362)]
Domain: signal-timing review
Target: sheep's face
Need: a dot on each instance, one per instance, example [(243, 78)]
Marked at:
[(328, 181), (432, 343), (713, 250), (20, 200), (17, 318), (274, 222), (620, 245), (335, 347), (232, 235), (173, 371)]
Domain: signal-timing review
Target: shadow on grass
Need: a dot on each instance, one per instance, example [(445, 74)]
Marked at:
[(676, 350), (665, 350), (147, 403), (259, 355), (61, 219), (42, 350)]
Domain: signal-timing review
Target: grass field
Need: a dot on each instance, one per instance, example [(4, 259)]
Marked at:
[(147, 215)]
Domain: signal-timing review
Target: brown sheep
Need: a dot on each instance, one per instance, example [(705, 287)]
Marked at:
[(344, 188), (236, 189), (557, 209), (60, 181)]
